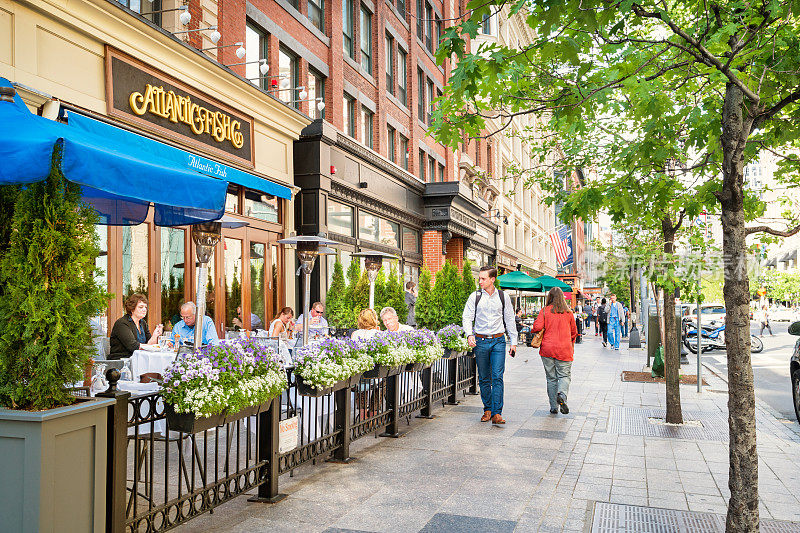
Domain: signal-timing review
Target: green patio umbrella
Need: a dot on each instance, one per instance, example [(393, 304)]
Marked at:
[(548, 282), (518, 280)]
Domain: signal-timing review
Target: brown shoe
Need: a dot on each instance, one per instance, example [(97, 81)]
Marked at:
[(487, 415), (497, 419)]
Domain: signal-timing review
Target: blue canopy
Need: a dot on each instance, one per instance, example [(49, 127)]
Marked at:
[(176, 156), (118, 178)]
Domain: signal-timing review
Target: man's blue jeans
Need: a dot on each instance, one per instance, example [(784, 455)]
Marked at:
[(490, 357), (614, 333)]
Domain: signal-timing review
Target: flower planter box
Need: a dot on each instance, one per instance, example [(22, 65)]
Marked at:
[(53, 468), (416, 367), (305, 389), (189, 423), (453, 354), (381, 371)]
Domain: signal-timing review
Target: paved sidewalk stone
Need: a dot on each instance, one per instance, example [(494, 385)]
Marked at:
[(539, 472)]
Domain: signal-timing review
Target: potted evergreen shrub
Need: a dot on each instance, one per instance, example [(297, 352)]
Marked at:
[(56, 456)]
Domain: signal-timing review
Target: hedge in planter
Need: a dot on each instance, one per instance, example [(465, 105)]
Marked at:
[(50, 292)]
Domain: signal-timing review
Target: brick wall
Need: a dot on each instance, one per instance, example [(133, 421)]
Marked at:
[(455, 252), (432, 250)]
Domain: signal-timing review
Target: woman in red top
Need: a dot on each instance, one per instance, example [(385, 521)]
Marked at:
[(558, 347)]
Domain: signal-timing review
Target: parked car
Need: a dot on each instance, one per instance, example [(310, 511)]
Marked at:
[(783, 314), (794, 370), (711, 313)]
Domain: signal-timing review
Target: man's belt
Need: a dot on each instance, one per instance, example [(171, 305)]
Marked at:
[(495, 336)]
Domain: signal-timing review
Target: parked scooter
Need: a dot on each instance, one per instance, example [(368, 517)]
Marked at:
[(713, 338)]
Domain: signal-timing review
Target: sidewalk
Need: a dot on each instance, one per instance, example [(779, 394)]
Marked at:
[(539, 472)]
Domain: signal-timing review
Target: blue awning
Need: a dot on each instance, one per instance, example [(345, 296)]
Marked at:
[(119, 180), (179, 158)]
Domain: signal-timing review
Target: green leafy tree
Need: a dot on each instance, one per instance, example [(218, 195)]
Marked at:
[(338, 311), (50, 293), (450, 287), (361, 294), (381, 294), (424, 312), (468, 285)]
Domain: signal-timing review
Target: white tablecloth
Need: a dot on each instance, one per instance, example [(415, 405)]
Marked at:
[(143, 361)]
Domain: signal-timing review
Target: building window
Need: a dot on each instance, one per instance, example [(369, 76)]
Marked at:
[(439, 31), (261, 205), (366, 127), (316, 14), (441, 172), (487, 25), (294, 3), (287, 66), (389, 64), (145, 6), (349, 110), (316, 93), (172, 274), (420, 19), (376, 229), (429, 98), (428, 27), (410, 240), (401, 7), (404, 152), (340, 218), (232, 199), (366, 39), (390, 137), (401, 76), (432, 169), (256, 43), (348, 28), (421, 95), (421, 165)]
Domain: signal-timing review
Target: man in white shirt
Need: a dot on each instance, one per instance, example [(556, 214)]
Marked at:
[(317, 326), (392, 321), (486, 324)]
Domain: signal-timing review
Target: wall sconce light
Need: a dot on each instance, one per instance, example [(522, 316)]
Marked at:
[(215, 35), (240, 52)]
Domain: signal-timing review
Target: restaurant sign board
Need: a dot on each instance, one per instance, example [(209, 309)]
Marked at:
[(144, 96)]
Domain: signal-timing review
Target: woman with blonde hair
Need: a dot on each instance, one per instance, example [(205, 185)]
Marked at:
[(367, 325), (557, 348)]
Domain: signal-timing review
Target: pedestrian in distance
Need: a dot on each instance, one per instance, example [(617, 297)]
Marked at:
[(411, 303), (626, 316), (602, 320), (615, 316), (763, 317), (488, 316), (558, 347), (587, 310)]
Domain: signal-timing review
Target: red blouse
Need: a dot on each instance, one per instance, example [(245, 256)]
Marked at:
[(560, 332)]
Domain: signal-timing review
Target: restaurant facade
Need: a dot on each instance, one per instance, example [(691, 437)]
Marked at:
[(151, 83)]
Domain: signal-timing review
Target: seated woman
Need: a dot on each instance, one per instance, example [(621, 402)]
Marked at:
[(131, 331), (367, 325), (283, 324)]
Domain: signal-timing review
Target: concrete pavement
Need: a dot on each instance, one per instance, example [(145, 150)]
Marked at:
[(539, 472)]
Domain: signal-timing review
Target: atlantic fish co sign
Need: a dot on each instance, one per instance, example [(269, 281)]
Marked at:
[(154, 101)]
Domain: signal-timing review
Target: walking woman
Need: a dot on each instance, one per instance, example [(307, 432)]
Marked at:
[(558, 347), (602, 320)]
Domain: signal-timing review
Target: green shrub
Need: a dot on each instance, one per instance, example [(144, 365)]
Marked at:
[(50, 293), (395, 295), (423, 312)]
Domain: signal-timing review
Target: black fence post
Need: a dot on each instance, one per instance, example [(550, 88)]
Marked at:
[(117, 461), (392, 405), (427, 391), (341, 417), (452, 372), (268, 437), (473, 385)]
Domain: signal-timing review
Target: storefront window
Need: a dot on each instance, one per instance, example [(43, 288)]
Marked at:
[(410, 273), (172, 275), (100, 322), (232, 280), (232, 199), (260, 205), (210, 294), (345, 258), (377, 229), (410, 240), (258, 295), (340, 218), (135, 271), (274, 285)]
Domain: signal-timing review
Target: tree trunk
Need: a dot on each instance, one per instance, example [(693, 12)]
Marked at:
[(743, 475), (672, 352)]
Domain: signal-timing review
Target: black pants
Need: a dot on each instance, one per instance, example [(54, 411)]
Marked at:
[(765, 325), (604, 330)]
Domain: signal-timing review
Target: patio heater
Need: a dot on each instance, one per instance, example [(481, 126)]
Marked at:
[(308, 248), (205, 237), (373, 261)]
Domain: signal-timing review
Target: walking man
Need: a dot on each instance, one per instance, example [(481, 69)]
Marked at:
[(587, 310), (487, 318), (615, 317)]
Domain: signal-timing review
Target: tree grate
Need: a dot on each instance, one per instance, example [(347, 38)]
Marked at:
[(618, 517), (635, 421)]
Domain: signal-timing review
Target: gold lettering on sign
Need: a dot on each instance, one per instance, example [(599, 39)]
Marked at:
[(177, 108)]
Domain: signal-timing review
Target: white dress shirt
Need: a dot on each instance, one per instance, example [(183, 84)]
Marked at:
[(489, 317)]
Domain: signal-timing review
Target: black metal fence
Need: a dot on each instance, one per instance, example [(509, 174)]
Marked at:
[(159, 478)]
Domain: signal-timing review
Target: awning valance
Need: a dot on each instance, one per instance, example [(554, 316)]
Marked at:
[(117, 179), (179, 158)]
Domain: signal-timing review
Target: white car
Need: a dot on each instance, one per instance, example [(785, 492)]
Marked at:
[(783, 314), (711, 313)]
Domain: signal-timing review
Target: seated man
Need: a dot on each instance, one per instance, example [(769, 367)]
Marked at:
[(392, 321), (317, 326), (185, 328), (255, 321)]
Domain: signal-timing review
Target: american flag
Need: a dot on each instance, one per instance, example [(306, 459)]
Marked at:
[(562, 243)]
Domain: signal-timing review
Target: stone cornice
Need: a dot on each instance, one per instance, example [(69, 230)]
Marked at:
[(365, 154), (342, 192)]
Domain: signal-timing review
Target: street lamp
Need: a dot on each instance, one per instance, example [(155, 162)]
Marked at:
[(373, 261), (308, 248), (205, 237)]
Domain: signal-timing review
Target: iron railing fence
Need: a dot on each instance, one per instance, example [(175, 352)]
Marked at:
[(159, 478)]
